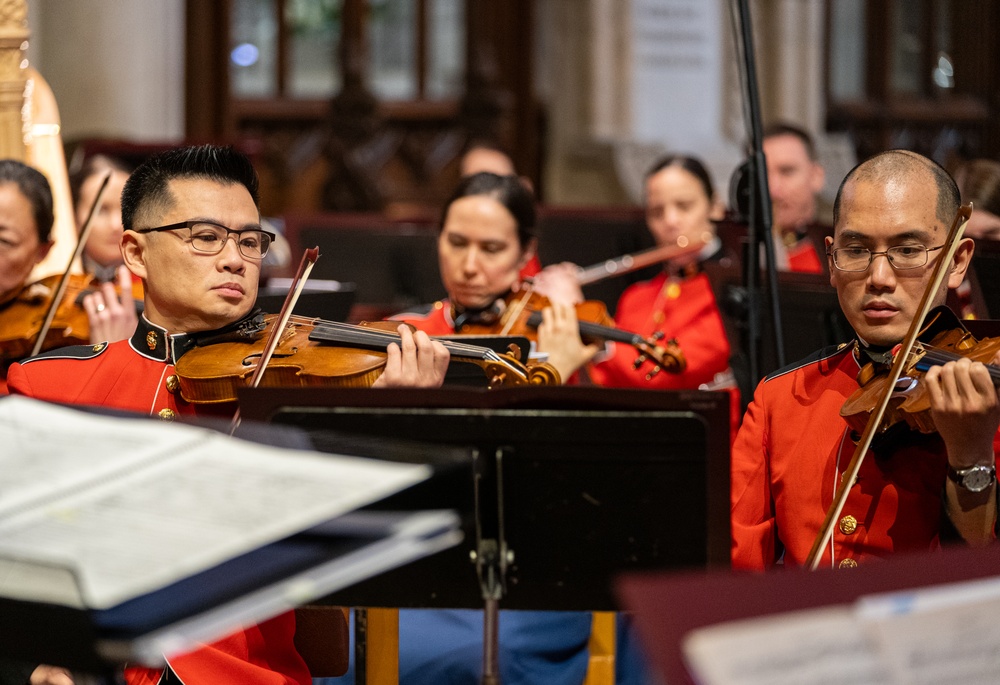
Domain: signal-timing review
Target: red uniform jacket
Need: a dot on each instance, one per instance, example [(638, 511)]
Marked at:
[(137, 375), (789, 454), (683, 309)]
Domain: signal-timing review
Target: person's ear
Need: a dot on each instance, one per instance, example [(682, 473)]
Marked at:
[(42, 251), (960, 263), (134, 253), (828, 244)]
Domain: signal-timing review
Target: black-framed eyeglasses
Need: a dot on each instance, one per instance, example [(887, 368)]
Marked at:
[(209, 237), (901, 257)]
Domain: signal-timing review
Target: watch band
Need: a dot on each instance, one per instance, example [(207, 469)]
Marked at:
[(975, 478)]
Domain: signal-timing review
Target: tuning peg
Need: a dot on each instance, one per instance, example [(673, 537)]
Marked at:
[(639, 361), (656, 370), (660, 335)]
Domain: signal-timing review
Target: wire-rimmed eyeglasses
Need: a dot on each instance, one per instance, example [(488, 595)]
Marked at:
[(901, 257)]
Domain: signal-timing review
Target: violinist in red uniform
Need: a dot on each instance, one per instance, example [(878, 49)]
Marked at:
[(180, 209), (679, 302), (25, 230), (891, 219), (486, 239)]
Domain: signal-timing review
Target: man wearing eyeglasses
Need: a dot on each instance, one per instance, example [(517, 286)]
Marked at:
[(193, 235), (891, 220)]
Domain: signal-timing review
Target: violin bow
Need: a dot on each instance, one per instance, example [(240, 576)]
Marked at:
[(900, 357), (60, 291), (309, 258)]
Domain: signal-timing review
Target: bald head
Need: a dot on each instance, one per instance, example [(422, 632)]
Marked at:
[(904, 166)]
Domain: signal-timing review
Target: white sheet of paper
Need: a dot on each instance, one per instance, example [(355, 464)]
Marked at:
[(815, 646), (140, 504), (936, 635)]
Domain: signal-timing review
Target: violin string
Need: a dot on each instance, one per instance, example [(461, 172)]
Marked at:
[(938, 356)]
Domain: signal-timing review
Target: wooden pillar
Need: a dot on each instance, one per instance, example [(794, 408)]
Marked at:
[(13, 41)]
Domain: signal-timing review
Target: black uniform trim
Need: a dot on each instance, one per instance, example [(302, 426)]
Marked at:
[(817, 356), (71, 352)]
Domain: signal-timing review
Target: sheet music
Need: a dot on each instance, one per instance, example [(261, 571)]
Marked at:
[(936, 635), (162, 501), (817, 646)]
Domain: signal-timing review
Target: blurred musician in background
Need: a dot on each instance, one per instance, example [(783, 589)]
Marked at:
[(25, 239), (111, 313), (679, 303), (794, 178), (979, 183)]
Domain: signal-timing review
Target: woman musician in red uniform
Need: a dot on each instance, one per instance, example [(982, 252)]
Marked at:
[(487, 238), (678, 303)]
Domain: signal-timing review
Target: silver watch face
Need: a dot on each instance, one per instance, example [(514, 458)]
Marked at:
[(977, 478)]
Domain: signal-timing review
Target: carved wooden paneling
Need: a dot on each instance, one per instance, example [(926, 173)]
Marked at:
[(355, 153)]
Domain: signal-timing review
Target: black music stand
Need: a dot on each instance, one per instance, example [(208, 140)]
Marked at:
[(811, 319), (568, 487), (331, 304)]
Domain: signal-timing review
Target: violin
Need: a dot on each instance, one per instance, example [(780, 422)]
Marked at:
[(313, 352), (521, 315), (22, 317), (942, 341)]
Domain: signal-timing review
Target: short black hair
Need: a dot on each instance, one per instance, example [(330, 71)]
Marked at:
[(148, 183), (508, 191), (880, 168), (783, 128), (35, 188), (691, 165)]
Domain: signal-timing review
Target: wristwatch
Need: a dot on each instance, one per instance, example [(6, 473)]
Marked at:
[(975, 478)]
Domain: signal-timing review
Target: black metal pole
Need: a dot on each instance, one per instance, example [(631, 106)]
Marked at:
[(759, 215)]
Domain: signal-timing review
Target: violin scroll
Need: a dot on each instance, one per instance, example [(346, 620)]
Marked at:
[(666, 357)]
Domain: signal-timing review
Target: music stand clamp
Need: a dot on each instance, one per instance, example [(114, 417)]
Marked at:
[(492, 558)]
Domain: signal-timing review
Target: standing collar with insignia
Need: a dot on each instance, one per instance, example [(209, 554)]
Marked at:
[(153, 342)]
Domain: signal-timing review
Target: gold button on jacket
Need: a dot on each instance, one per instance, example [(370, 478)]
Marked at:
[(848, 525)]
